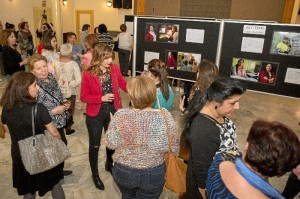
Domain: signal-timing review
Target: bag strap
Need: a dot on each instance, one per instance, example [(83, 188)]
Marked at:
[(50, 94), (167, 129), (33, 115)]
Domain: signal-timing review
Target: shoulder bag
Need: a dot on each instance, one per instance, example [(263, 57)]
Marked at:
[(42, 152), (175, 167)]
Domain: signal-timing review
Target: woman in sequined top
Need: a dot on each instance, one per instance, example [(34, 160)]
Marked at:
[(211, 131), (100, 86), (140, 140)]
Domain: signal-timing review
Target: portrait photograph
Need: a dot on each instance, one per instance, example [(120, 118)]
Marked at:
[(185, 61), (151, 32)]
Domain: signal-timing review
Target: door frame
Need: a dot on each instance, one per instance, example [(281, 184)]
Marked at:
[(77, 16)]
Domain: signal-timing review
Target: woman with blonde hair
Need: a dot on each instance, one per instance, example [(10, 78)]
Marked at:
[(140, 140), (100, 86)]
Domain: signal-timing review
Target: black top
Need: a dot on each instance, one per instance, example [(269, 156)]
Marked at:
[(18, 121), (11, 60), (208, 137)]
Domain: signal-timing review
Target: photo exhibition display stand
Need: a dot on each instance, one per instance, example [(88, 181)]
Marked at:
[(265, 56)]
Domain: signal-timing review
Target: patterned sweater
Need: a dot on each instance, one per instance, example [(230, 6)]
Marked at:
[(139, 137)]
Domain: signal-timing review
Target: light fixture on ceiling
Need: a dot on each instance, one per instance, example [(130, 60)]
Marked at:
[(65, 2), (109, 3)]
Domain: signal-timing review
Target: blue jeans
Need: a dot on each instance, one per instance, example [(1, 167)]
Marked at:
[(139, 183)]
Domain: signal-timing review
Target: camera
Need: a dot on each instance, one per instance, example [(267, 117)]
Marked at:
[(44, 15)]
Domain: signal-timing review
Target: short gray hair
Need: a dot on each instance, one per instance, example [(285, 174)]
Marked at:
[(65, 50)]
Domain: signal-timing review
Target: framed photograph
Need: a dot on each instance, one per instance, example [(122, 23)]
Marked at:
[(151, 32), (254, 70), (268, 73), (186, 61), (286, 43), (168, 32)]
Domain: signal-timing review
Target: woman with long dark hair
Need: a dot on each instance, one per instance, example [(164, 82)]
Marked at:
[(19, 96), (12, 59), (210, 131), (158, 73)]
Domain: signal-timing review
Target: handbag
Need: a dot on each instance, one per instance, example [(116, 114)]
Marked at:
[(116, 46), (42, 152), (175, 167)]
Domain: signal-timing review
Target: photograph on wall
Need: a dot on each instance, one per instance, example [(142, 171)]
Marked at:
[(268, 72), (286, 43), (151, 32), (182, 60), (168, 32), (254, 70)]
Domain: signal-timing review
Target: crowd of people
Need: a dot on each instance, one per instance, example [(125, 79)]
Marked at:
[(136, 137)]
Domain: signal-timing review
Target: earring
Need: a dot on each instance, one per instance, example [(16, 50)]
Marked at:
[(216, 107)]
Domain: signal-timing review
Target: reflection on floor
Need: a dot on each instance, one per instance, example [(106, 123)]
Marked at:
[(79, 185)]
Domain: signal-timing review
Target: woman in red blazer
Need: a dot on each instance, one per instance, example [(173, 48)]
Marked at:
[(100, 91)]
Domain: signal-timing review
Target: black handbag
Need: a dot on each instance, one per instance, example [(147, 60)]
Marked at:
[(116, 45)]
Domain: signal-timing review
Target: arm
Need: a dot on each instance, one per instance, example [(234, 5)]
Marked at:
[(121, 80), (77, 76), (51, 128), (174, 137), (87, 93), (203, 150), (113, 137)]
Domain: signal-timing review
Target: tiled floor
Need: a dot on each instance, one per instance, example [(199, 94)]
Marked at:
[(79, 185)]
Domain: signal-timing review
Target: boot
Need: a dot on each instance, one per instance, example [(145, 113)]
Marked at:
[(93, 158), (109, 160)]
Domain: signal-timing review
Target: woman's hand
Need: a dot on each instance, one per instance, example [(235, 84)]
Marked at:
[(109, 97), (58, 110), (181, 104)]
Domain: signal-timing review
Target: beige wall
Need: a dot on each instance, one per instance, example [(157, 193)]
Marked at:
[(264, 10), (162, 7), (13, 11)]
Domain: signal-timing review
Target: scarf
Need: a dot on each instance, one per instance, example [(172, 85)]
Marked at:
[(257, 181)]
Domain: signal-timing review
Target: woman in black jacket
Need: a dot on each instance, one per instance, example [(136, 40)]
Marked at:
[(12, 60)]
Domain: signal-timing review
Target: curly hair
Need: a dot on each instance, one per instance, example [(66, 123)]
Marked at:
[(33, 59), (273, 148), (158, 68), (16, 92), (100, 53), (91, 39)]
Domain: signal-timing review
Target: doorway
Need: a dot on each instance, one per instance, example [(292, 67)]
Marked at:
[(84, 17)]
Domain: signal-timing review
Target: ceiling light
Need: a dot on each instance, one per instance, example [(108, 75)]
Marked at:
[(109, 3), (65, 2)]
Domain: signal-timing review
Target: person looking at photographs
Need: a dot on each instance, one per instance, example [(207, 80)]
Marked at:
[(174, 34), (171, 62), (272, 149), (139, 136), (150, 36), (158, 73), (239, 69), (210, 131), (267, 75), (284, 46)]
